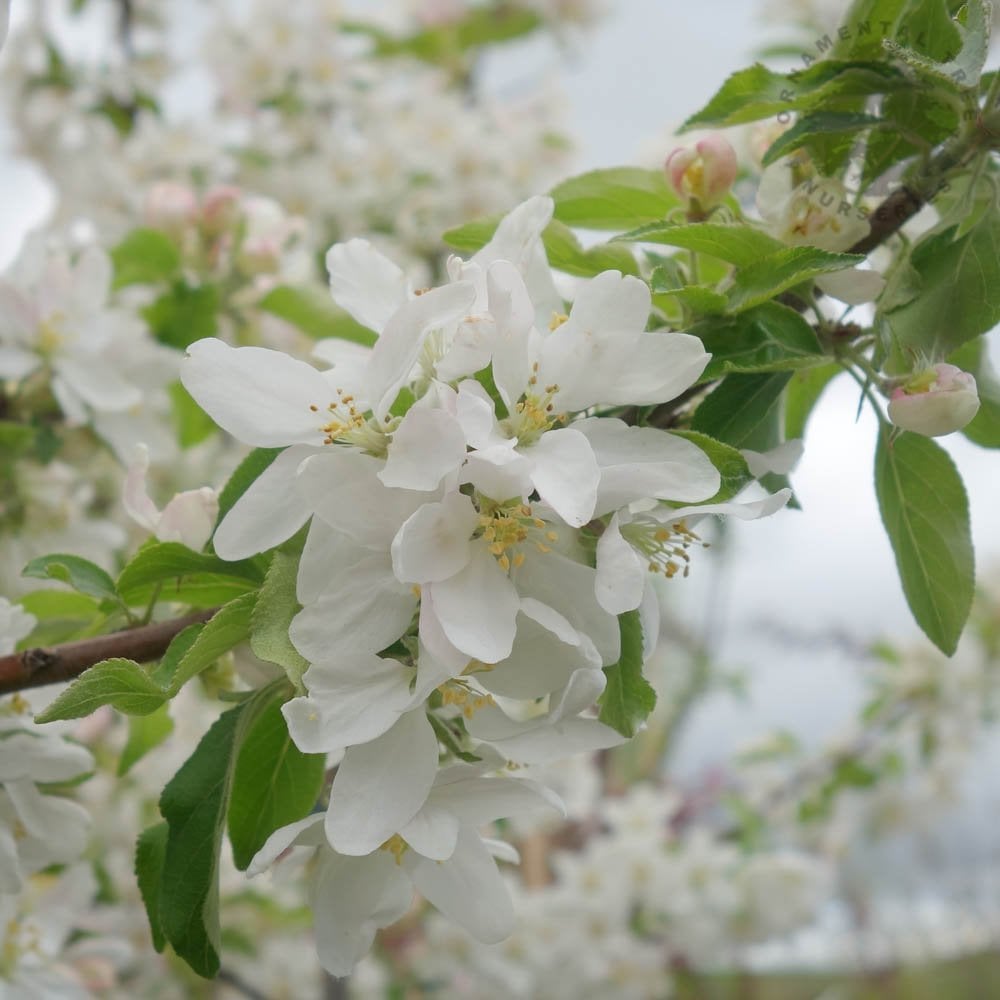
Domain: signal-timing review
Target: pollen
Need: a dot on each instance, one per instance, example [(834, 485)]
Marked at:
[(557, 321), (665, 547), (458, 693), (505, 527), (396, 846)]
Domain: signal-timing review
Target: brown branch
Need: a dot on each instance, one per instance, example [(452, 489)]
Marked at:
[(53, 664)]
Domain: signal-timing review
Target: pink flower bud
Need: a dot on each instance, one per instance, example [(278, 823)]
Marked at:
[(171, 207), (221, 209), (936, 401), (704, 173)]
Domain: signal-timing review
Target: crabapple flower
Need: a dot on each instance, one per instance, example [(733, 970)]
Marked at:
[(702, 175), (15, 624), (936, 401), (819, 212), (188, 517)]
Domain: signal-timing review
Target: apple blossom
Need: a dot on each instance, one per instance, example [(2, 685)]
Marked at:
[(702, 175)]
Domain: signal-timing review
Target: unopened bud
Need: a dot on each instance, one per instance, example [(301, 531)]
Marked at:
[(935, 401), (221, 209), (703, 174), (170, 207)]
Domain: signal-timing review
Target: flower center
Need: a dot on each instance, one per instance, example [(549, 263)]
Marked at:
[(534, 413), (457, 692), (505, 526), (396, 846), (663, 546), (348, 425)]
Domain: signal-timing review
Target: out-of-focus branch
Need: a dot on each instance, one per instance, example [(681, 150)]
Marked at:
[(52, 664)]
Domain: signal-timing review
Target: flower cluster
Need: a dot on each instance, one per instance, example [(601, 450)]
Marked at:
[(475, 528)]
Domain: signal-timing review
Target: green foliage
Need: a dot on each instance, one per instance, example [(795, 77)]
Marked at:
[(777, 272), (815, 124), (743, 411), (145, 257), (948, 268), (81, 574), (804, 389), (118, 682), (864, 26), (758, 92), (733, 469), (227, 628), (244, 477), (145, 733), (629, 697), (614, 198), (272, 616), (194, 805), (192, 423), (770, 337), (150, 851), (274, 783), (312, 311), (736, 244), (183, 314), (170, 571), (926, 515)]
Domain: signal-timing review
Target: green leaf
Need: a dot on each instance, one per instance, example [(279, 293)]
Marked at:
[(563, 249), (926, 515), (163, 673), (817, 123), (15, 439), (274, 784), (701, 301), (183, 314), (965, 69), (185, 576), (614, 198), (81, 574), (145, 257), (192, 423), (145, 733), (228, 627), (44, 604), (864, 26), (742, 410), (803, 393), (741, 245), (150, 851), (312, 311), (629, 697), (959, 294), (276, 606), (194, 805), (984, 429), (777, 272), (758, 92), (770, 337), (244, 477), (733, 469), (118, 682)]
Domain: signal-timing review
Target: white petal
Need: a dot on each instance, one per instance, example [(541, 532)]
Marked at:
[(362, 609), (135, 499), (342, 486), (325, 552), (568, 587), (780, 460), (96, 383), (499, 472), (443, 656), (660, 367), (304, 832), (15, 362), (261, 397), (640, 462), (514, 313), (477, 607), (396, 351), (854, 286), (58, 827), (434, 544), (565, 473), (42, 758), (351, 899), (189, 518), (271, 510), (381, 785), (365, 282), (351, 700), (11, 879), (467, 888), (91, 281), (427, 446), (748, 511), (474, 411), (621, 574)]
